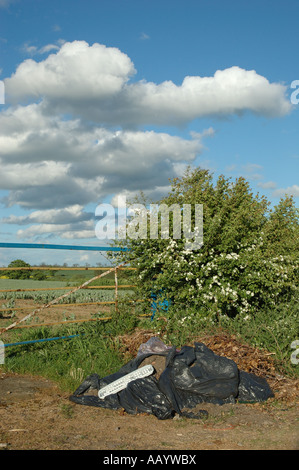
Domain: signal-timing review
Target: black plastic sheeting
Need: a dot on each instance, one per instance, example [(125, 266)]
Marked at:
[(192, 375)]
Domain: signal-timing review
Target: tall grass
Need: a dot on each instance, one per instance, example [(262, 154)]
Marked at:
[(97, 348), (69, 361), (273, 331)]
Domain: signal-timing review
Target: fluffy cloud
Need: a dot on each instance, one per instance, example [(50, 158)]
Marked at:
[(72, 134), (68, 231), (48, 162), (290, 191), (32, 50), (267, 185), (93, 82), (71, 222), (72, 214), (76, 73)]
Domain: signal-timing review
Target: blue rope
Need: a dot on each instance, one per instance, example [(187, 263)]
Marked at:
[(62, 247), (36, 341)]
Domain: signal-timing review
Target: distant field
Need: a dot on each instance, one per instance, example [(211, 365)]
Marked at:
[(70, 278), (30, 284), (83, 295), (59, 282)]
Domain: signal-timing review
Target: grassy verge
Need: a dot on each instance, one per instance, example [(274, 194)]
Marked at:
[(272, 331), (97, 348), (69, 361)]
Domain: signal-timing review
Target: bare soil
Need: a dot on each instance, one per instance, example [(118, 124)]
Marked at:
[(51, 315), (36, 415)]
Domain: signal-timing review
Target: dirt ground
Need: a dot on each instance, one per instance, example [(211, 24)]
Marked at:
[(36, 415), (45, 316)]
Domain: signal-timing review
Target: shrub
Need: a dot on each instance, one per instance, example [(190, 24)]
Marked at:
[(249, 259), (18, 274)]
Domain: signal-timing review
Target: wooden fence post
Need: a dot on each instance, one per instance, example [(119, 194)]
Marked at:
[(116, 290), (3, 330)]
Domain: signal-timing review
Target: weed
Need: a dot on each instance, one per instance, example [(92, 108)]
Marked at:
[(67, 411)]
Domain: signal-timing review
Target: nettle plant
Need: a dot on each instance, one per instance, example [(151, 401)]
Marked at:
[(249, 257)]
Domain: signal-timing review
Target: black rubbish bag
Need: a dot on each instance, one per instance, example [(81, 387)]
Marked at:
[(191, 376), (253, 388)]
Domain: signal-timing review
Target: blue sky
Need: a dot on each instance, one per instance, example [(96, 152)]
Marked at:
[(110, 97)]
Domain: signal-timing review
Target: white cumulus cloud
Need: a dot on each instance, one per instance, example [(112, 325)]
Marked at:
[(290, 191), (76, 72), (72, 132), (94, 82)]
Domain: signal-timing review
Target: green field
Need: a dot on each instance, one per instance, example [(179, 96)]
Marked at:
[(72, 281), (30, 284)]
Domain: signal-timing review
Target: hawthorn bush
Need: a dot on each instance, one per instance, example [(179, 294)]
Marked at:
[(249, 257)]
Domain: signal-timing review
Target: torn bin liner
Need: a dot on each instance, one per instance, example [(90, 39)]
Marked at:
[(190, 376)]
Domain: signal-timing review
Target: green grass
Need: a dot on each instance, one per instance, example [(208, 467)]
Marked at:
[(97, 349), (69, 361), (272, 331), (78, 277), (30, 284)]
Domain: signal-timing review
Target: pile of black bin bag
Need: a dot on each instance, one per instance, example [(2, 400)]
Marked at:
[(192, 375)]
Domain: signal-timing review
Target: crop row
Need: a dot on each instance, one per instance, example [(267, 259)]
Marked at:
[(76, 297)]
